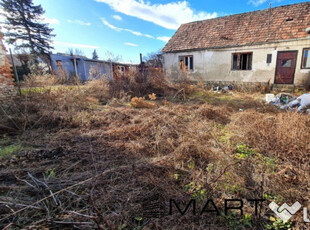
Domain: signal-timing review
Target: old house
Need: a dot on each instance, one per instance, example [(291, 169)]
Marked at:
[(76, 65), (267, 45), (7, 89)]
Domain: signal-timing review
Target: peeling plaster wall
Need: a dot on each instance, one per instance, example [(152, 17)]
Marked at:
[(215, 65), (7, 89)]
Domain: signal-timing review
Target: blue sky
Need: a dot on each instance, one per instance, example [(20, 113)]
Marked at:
[(130, 27)]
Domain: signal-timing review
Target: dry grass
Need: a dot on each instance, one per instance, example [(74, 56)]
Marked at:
[(94, 159)]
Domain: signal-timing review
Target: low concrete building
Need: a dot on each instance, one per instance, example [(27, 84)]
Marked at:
[(86, 69), (7, 89), (89, 69), (271, 45)]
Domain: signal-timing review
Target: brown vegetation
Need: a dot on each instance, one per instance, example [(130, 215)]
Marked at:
[(90, 160)]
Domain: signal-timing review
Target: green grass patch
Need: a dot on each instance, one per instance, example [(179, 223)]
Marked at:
[(41, 90), (7, 151), (27, 91)]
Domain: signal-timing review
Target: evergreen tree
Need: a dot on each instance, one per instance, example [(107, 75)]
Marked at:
[(95, 55), (25, 28)]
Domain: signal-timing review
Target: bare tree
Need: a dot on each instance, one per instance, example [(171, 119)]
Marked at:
[(112, 57), (76, 52), (154, 59)]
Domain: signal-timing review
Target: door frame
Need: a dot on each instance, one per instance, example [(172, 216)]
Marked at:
[(275, 74)]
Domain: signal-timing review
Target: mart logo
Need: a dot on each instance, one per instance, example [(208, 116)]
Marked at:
[(285, 212)]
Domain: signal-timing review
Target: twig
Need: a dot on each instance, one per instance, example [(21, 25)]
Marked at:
[(44, 184), (224, 171), (8, 226), (9, 118), (80, 214), (23, 205), (178, 93), (63, 222), (50, 115), (60, 191), (26, 182)]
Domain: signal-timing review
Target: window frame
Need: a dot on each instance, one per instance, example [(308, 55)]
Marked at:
[(302, 57), (238, 60), (188, 61)]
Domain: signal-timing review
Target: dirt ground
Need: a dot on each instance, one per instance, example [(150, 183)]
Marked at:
[(112, 165)]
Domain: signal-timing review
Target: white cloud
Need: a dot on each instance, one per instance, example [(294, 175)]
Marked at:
[(170, 15), (148, 36), (164, 39), (47, 20), (134, 32), (105, 22), (130, 44), (118, 29), (68, 44), (79, 22), (260, 2), (117, 17)]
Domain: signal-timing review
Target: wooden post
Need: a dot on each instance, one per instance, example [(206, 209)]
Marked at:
[(15, 73), (75, 68)]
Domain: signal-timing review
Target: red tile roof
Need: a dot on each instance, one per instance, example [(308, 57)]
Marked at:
[(286, 22)]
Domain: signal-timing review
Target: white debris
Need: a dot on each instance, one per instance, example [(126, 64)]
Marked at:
[(282, 99), (289, 102), (304, 102), (269, 97)]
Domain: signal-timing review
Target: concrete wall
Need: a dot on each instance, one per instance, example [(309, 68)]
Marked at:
[(7, 89), (96, 69), (67, 65), (216, 64)]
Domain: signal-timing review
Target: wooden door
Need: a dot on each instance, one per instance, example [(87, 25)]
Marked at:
[(286, 64)]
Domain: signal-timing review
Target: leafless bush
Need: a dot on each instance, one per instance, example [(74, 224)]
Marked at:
[(98, 89), (136, 84), (34, 80)]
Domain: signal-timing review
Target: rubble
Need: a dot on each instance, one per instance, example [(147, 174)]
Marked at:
[(224, 89), (289, 102)]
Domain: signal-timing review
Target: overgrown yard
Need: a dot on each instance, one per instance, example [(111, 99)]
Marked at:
[(78, 158)]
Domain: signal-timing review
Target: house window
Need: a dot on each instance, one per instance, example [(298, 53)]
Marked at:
[(186, 62), (305, 63), (269, 57), (242, 61), (59, 64), (121, 68), (287, 63)]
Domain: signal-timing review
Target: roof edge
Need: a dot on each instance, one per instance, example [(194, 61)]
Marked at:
[(232, 46)]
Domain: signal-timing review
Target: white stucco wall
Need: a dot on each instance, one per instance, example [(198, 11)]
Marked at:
[(215, 65)]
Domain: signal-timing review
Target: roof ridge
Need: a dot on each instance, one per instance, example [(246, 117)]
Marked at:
[(244, 13)]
